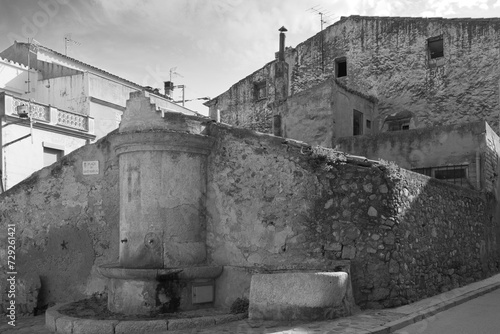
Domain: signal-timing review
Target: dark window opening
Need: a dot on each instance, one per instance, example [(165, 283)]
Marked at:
[(424, 171), (341, 67), (368, 124), (260, 91), (277, 125), (357, 123), (448, 173), (435, 45), (398, 125), (451, 174)]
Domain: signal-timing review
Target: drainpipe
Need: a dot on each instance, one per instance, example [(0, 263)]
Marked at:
[(478, 171)]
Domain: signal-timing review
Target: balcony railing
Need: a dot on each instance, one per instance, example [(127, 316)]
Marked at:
[(72, 120), (37, 111), (48, 114)]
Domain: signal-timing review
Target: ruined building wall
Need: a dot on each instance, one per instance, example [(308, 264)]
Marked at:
[(66, 225), (275, 203), (387, 57), (251, 102), (324, 112)]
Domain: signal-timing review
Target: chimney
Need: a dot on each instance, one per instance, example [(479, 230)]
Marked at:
[(169, 88), (281, 53)]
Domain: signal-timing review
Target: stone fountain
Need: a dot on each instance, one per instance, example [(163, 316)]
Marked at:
[(162, 258)]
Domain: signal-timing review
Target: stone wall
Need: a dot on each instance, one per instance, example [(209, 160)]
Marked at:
[(388, 57), (440, 146), (250, 103), (275, 203), (272, 204), (324, 112), (66, 224)]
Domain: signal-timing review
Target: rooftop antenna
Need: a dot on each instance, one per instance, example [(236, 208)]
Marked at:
[(173, 72), (68, 39), (324, 15)]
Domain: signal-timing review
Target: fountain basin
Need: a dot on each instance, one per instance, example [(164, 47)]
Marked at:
[(163, 290)]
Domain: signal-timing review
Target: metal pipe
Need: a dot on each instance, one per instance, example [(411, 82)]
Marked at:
[(478, 171)]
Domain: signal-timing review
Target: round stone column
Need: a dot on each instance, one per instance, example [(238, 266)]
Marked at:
[(162, 199), (162, 184)]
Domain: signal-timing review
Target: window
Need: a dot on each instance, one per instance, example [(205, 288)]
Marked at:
[(51, 155), (398, 121), (368, 124), (450, 173), (398, 125), (453, 174), (341, 67), (424, 171), (435, 47), (357, 123), (260, 91)]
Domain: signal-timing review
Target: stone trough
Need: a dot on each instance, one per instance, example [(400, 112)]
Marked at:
[(300, 296)]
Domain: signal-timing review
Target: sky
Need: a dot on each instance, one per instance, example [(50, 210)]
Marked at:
[(205, 45)]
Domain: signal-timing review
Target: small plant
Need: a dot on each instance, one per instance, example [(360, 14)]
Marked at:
[(240, 305)]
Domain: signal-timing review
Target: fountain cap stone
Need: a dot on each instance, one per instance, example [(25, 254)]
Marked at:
[(141, 115)]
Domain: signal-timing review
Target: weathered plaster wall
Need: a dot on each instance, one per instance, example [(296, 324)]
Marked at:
[(387, 57), (66, 225), (490, 156), (239, 106), (107, 90), (26, 156), (430, 147), (275, 203), (67, 93), (324, 112)]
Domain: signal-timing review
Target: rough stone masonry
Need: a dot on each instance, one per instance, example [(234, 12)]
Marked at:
[(271, 203)]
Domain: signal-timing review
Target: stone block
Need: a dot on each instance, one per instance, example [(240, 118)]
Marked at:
[(222, 319), (84, 326), (51, 316), (64, 324), (137, 327), (177, 324), (299, 296)]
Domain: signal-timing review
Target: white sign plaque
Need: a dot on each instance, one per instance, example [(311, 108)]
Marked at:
[(90, 167)]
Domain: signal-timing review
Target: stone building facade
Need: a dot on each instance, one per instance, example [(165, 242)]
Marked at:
[(423, 71), (271, 205)]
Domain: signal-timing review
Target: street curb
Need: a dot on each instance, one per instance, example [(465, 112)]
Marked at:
[(429, 311)]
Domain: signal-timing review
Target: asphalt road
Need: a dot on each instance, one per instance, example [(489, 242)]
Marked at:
[(477, 316)]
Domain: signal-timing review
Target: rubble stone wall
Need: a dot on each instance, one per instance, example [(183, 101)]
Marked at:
[(277, 203), (272, 204)]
